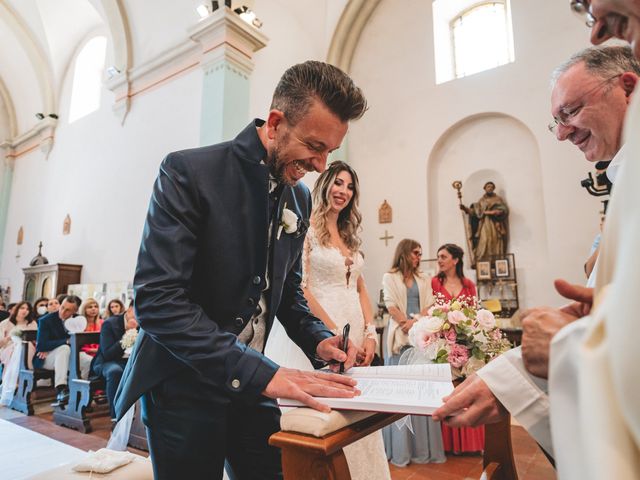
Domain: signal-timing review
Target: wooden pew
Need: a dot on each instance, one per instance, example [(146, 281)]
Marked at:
[(322, 457), (81, 392), (28, 391)]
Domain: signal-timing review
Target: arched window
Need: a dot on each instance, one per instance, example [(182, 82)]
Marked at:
[(87, 79), (471, 37)]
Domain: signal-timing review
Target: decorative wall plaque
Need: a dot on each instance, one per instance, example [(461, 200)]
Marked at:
[(385, 213), (66, 226)]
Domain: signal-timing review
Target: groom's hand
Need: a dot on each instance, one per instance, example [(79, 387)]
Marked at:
[(330, 350), (303, 386)]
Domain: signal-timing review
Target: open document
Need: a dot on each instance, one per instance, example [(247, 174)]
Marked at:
[(414, 389)]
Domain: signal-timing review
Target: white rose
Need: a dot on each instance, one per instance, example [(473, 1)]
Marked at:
[(289, 221), (486, 319), (432, 324), (456, 316)]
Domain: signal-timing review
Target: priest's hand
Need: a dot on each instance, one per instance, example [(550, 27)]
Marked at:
[(303, 386), (582, 298), (539, 325), (470, 404)]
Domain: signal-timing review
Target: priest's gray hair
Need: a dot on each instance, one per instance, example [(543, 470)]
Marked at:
[(604, 62)]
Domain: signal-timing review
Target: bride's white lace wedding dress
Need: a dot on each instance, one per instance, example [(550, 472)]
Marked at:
[(332, 279)]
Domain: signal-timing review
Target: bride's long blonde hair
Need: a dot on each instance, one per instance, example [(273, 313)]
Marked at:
[(349, 219)]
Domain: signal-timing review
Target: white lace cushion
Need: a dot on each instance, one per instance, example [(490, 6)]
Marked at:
[(319, 424)]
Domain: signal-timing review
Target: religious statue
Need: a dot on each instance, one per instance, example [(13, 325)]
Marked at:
[(488, 219)]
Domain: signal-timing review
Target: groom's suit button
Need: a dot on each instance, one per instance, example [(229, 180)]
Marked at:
[(239, 321), (257, 280), (235, 383)]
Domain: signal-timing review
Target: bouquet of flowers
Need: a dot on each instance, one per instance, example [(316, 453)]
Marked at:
[(458, 333), (128, 340)]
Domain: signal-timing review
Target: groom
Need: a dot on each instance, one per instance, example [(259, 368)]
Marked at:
[(220, 257)]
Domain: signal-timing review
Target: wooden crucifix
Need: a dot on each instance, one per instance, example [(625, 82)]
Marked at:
[(386, 238)]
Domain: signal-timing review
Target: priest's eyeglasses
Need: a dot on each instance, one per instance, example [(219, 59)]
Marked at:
[(568, 112)]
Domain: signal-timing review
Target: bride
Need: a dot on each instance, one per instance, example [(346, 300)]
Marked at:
[(336, 293)]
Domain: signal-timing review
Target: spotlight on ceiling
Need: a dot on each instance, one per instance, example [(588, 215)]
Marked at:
[(206, 8), (248, 16), (53, 115), (39, 116)]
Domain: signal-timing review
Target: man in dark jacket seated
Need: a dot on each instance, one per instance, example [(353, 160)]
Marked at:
[(52, 347), (111, 359)]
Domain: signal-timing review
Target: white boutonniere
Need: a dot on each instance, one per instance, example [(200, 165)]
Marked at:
[(288, 221)]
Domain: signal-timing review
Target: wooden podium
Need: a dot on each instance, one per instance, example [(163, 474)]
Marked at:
[(322, 458)]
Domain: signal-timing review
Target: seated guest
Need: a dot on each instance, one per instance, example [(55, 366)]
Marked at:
[(110, 359), (40, 307), (53, 305), (91, 311), (21, 319), (52, 347), (114, 307)]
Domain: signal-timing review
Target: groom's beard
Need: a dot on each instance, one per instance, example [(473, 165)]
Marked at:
[(278, 163)]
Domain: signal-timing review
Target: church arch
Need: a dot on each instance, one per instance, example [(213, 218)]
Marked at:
[(345, 39), (472, 152)]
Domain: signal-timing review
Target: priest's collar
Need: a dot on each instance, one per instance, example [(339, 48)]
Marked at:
[(614, 166)]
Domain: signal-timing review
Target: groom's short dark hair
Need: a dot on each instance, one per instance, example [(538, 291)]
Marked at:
[(303, 82)]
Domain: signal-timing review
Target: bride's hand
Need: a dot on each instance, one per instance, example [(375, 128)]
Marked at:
[(369, 350)]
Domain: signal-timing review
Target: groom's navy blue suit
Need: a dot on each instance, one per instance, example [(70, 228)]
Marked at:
[(200, 274)]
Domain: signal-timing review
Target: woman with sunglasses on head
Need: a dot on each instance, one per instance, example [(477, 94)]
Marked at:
[(336, 293), (407, 292)]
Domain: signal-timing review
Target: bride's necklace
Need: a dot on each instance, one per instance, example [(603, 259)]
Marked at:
[(347, 263)]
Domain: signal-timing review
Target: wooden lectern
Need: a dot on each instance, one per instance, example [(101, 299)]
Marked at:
[(315, 452)]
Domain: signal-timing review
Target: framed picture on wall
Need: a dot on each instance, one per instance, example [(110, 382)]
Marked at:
[(483, 270), (502, 268)]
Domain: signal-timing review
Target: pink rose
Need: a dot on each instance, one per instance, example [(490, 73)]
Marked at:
[(451, 335), (458, 356), (455, 317), (424, 338), (486, 319), (496, 334)]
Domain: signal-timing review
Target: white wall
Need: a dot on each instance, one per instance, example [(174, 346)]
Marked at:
[(101, 173), (409, 114)]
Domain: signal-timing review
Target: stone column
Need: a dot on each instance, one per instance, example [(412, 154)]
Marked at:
[(228, 44), (7, 162)]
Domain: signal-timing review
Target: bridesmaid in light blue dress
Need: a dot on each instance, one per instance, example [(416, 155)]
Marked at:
[(407, 291)]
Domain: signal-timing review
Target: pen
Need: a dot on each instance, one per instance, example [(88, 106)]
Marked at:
[(345, 343)]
